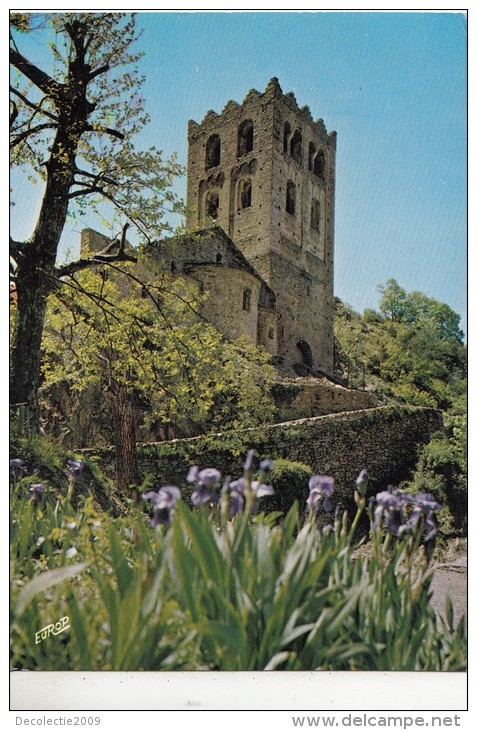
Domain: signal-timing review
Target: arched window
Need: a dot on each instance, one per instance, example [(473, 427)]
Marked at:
[(212, 204), (306, 354), (244, 193), (212, 151), (315, 214), (218, 259), (286, 136), (246, 300), (291, 198), (320, 165), (311, 156), (296, 144), (245, 138)]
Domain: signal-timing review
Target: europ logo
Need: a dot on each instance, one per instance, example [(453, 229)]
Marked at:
[(52, 629)]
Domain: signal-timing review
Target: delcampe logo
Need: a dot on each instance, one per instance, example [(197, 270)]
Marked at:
[(54, 629)]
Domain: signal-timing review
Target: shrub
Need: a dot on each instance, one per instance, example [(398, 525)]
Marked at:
[(290, 482), (49, 463), (441, 470)]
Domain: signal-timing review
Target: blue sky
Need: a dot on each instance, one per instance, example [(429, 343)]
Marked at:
[(392, 84)]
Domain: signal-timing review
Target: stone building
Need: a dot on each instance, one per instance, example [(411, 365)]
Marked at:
[(260, 242), (260, 200)]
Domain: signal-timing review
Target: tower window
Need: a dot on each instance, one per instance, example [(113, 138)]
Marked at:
[(245, 138), (311, 156), (296, 146), (315, 215), (291, 198), (212, 205), (247, 300), (286, 136), (244, 194), (212, 151), (319, 165)]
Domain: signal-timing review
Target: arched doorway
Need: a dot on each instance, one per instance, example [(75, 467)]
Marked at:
[(306, 354)]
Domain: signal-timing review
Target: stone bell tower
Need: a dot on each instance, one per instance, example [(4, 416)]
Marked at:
[(264, 172)]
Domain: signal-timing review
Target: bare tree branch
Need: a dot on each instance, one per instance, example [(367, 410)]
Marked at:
[(98, 71), (85, 191), (101, 257), (15, 141), (80, 264), (45, 83), (35, 107), (105, 130)]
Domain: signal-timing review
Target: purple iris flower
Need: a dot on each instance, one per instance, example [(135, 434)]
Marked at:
[(391, 506), (249, 461), (163, 503), (259, 489), (238, 492), (36, 492), (423, 515), (193, 475), (425, 502), (76, 467), (205, 480), (362, 482), (202, 495), (16, 467), (266, 465), (236, 502), (209, 477), (321, 488)]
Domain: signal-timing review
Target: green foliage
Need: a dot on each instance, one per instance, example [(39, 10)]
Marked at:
[(124, 330), (413, 354), (207, 592), (290, 481), (393, 301), (418, 309), (442, 471), (370, 315), (47, 461)]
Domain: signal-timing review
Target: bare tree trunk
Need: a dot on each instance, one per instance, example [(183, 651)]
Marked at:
[(25, 357), (35, 259), (127, 471)]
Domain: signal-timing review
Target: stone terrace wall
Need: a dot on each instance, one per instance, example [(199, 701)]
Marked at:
[(383, 440), (309, 397)]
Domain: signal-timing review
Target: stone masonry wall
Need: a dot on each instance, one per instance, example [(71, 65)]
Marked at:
[(383, 440), (309, 397)]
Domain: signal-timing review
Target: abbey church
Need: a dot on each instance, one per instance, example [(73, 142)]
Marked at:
[(260, 201), (260, 242)]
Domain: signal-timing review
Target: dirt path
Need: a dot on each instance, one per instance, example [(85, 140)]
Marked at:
[(450, 579)]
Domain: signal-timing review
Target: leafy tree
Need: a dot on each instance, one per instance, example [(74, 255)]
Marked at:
[(73, 125), (393, 300), (417, 357), (418, 309), (143, 343)]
